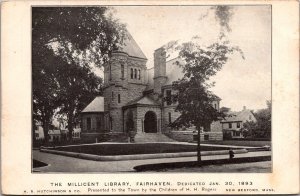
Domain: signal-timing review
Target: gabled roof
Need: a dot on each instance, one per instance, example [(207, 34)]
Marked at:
[(131, 48), (97, 105), (144, 100), (241, 116)]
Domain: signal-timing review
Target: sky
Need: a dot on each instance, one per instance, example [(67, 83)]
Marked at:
[(240, 82)]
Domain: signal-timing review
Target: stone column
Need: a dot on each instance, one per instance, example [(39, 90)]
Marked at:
[(158, 125)]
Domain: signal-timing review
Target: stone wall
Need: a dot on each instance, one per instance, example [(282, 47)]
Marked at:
[(128, 88), (216, 126), (174, 115), (159, 69), (191, 136)]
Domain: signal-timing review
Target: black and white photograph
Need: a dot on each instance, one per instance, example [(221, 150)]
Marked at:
[(151, 89), (149, 97)]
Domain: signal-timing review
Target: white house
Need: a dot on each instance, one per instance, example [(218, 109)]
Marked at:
[(39, 132), (232, 125)]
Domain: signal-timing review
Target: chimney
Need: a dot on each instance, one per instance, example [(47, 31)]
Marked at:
[(244, 108), (159, 69)]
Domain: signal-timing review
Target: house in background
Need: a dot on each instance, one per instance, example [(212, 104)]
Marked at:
[(232, 125), (76, 133), (39, 132), (54, 135)]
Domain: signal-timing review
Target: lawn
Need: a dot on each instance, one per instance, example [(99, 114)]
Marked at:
[(36, 163), (129, 149), (239, 143)]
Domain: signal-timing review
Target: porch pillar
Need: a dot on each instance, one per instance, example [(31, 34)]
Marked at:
[(158, 125)]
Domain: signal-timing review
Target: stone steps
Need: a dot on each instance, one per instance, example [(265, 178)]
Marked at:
[(152, 137)]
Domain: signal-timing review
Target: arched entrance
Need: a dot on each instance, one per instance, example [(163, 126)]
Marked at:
[(150, 122)]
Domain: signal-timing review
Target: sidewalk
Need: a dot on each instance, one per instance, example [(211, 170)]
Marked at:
[(183, 143), (59, 163)]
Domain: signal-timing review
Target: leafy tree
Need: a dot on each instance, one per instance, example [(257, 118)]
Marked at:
[(45, 86), (262, 127), (78, 86), (66, 43), (200, 63), (192, 91)]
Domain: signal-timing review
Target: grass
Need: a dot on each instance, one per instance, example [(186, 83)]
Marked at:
[(36, 163), (129, 149), (239, 143)]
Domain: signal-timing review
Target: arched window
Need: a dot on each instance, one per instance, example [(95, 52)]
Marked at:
[(131, 73), (135, 73), (122, 71), (139, 74)]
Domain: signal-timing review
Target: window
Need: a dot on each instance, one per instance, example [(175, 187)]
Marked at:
[(98, 123), (111, 123), (250, 117), (230, 125), (139, 74), (238, 125), (215, 106), (88, 123), (206, 137), (168, 98), (170, 118), (119, 98), (135, 73), (122, 71), (131, 73), (109, 72), (112, 95)]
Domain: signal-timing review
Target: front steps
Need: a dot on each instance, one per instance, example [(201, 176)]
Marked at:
[(152, 137)]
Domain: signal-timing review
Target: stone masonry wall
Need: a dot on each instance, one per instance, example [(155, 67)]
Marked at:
[(128, 88)]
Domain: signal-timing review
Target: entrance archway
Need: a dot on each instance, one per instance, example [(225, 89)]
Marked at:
[(150, 122)]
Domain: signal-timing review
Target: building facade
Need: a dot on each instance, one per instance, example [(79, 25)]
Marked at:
[(133, 94)]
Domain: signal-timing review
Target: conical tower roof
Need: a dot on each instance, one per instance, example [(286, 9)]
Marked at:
[(131, 48)]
